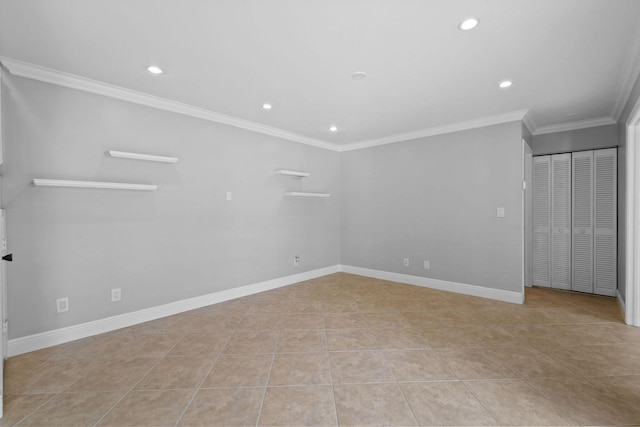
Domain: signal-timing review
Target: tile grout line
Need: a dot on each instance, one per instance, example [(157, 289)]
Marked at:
[(204, 378), (333, 389), (266, 386), (128, 392)]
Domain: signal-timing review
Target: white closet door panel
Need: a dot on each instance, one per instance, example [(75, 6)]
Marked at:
[(605, 218), (541, 221), (582, 221), (561, 221)]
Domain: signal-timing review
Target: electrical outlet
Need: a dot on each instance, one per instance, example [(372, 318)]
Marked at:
[(62, 304), (229, 195), (427, 265), (296, 260), (116, 294), (405, 262)]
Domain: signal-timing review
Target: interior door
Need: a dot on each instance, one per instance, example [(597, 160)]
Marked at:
[(605, 217), (561, 221), (541, 221), (528, 212), (582, 222)]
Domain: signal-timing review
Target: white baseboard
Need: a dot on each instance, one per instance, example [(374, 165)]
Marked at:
[(443, 285), (71, 333)]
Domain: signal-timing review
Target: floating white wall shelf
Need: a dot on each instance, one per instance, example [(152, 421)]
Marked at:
[(302, 194), (291, 173), (92, 184), (137, 156)]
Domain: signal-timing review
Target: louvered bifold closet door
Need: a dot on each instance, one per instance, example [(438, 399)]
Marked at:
[(561, 221), (605, 262), (541, 221), (582, 222)]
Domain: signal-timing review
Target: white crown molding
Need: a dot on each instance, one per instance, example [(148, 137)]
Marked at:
[(48, 75), (580, 124), (529, 122), (438, 130), (71, 333), (628, 77), (443, 285)]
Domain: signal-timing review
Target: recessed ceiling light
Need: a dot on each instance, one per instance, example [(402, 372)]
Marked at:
[(333, 128), (358, 75), (468, 24), (505, 84), (266, 106), (154, 69)]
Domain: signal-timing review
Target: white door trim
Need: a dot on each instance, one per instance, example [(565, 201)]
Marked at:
[(632, 284)]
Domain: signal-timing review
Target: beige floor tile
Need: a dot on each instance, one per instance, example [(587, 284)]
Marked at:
[(446, 404), (625, 388), (261, 322), (55, 375), (494, 336), (302, 340), (177, 372), (303, 321), (150, 345), (161, 408), (339, 306), (216, 321), (344, 321), (372, 405), (585, 360), (73, 409), (298, 406), (306, 307), (417, 365), (224, 407), (240, 370), (385, 320), (300, 369), (267, 308), (473, 363), (350, 339), (399, 338), (99, 346), (114, 375), (450, 337), (527, 362), (513, 402), (359, 367), (252, 342), (201, 344), (18, 406), (588, 403)]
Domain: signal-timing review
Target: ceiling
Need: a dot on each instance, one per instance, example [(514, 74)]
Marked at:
[(572, 62)]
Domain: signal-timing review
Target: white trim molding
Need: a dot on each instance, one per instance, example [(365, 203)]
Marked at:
[(48, 75), (60, 336), (579, 124), (443, 285), (632, 271), (628, 76), (438, 130)]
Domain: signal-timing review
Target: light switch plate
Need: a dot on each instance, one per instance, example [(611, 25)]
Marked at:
[(500, 212)]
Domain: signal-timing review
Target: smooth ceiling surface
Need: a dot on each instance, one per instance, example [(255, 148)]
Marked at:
[(567, 58)]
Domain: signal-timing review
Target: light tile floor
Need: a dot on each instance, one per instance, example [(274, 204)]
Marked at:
[(347, 350)]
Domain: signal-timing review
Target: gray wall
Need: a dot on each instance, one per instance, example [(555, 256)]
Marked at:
[(435, 199), (622, 188), (575, 140), (181, 241)]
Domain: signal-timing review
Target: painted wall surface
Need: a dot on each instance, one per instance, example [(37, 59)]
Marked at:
[(622, 189), (183, 240), (435, 199), (575, 140)]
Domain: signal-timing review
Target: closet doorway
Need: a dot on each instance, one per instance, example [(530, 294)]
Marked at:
[(575, 221)]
